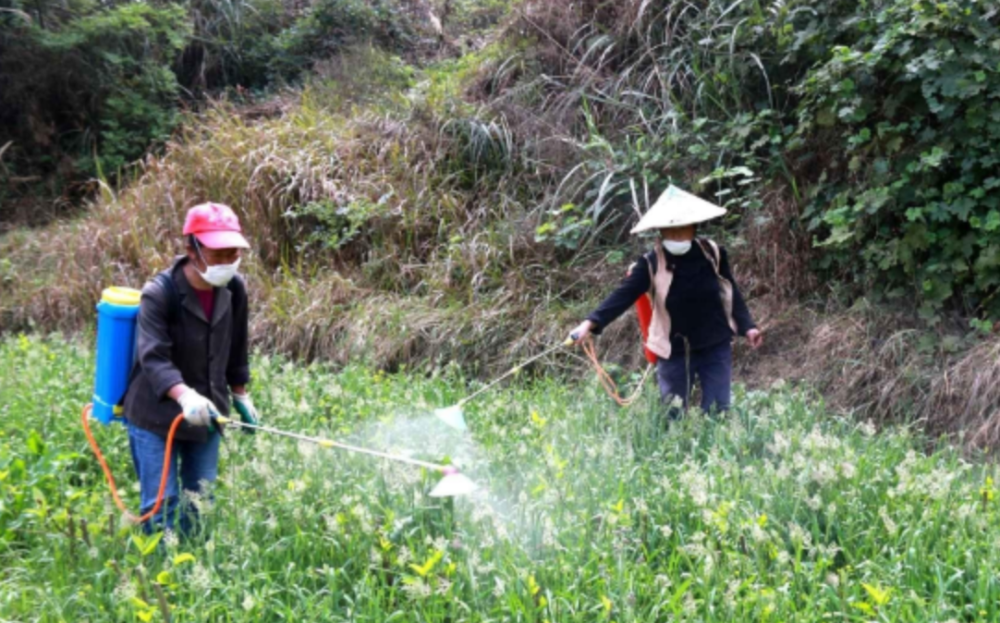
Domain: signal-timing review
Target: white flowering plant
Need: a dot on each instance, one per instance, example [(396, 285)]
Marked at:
[(776, 511)]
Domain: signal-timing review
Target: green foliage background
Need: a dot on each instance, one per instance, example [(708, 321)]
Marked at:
[(878, 119), (875, 121), (910, 111), (87, 88)]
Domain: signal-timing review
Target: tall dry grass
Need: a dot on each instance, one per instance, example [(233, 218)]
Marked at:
[(443, 266), (882, 364)]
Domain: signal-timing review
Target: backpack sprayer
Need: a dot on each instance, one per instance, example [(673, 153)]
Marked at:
[(117, 315)]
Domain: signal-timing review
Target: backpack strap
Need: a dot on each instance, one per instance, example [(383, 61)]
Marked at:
[(711, 252), (166, 281), (714, 255), (651, 266)]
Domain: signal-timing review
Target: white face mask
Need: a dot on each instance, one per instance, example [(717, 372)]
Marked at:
[(677, 247), (220, 274)]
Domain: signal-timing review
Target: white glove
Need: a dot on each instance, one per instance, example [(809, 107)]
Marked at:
[(197, 409)]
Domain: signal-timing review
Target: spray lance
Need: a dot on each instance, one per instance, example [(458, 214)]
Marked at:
[(453, 484), (454, 416), (117, 314)]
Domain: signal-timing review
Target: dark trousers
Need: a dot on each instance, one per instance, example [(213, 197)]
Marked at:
[(712, 366)]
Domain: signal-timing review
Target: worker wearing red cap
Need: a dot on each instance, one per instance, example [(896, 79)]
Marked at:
[(191, 358)]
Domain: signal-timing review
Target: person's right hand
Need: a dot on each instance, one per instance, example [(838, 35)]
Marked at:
[(581, 331), (197, 409)]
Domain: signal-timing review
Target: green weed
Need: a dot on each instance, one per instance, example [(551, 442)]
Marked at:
[(775, 512)]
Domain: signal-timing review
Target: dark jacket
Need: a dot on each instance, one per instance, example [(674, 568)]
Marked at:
[(175, 343), (694, 301)]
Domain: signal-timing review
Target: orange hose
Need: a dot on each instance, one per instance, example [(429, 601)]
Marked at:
[(111, 480), (606, 381)]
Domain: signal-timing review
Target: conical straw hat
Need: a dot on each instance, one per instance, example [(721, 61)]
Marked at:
[(677, 208)]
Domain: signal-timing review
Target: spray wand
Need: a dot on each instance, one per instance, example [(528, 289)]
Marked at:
[(454, 483), (454, 415)]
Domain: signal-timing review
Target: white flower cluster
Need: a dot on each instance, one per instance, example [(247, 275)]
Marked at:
[(695, 483)]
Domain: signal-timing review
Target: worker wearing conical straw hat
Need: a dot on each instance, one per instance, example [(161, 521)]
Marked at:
[(697, 307)]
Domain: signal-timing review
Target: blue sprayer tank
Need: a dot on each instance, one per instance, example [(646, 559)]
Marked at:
[(116, 322)]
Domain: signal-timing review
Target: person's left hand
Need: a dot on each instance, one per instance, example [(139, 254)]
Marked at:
[(755, 338), (248, 413)]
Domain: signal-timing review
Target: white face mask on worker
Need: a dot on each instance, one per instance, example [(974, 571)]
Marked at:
[(677, 247), (220, 274)]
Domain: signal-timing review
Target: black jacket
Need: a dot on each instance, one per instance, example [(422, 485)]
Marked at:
[(694, 301), (175, 343)]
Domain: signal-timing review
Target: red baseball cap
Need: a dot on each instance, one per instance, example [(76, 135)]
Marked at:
[(215, 225)]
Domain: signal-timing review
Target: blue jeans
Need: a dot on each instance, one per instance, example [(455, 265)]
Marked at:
[(713, 367), (199, 462)]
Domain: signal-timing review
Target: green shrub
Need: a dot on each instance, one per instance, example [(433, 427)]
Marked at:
[(877, 118), (907, 119), (100, 87), (330, 26), (87, 88), (233, 43)]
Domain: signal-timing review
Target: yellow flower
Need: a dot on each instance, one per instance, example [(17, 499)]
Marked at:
[(140, 604), (762, 521), (427, 567), (533, 587), (180, 559), (987, 492), (537, 420), (145, 615), (538, 490), (878, 595), (607, 605)]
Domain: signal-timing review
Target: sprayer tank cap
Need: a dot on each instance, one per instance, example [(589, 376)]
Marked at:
[(126, 297)]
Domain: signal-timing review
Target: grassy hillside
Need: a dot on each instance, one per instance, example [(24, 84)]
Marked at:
[(586, 512), (470, 209)]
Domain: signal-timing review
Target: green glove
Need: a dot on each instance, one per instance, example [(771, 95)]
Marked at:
[(248, 413)]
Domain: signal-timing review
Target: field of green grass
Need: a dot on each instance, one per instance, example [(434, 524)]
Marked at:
[(779, 511)]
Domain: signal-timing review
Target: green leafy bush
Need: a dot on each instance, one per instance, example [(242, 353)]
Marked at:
[(99, 87), (877, 119), (233, 43), (133, 46), (330, 26), (86, 88), (905, 122)]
